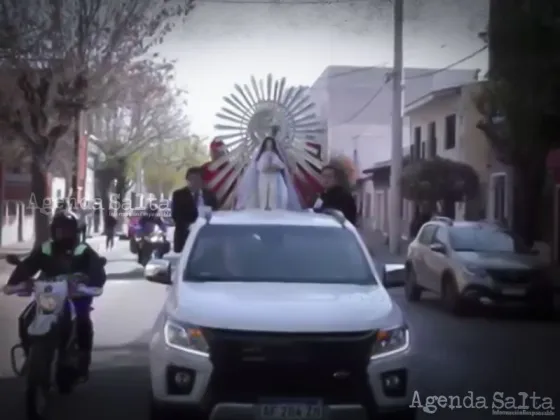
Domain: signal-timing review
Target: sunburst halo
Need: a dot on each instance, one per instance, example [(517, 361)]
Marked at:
[(252, 112)]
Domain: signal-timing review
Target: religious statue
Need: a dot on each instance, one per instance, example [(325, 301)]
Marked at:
[(267, 182), (271, 187)]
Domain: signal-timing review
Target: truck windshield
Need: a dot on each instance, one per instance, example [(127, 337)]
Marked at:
[(273, 253)]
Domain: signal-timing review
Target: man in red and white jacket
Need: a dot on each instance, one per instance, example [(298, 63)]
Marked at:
[(217, 150)]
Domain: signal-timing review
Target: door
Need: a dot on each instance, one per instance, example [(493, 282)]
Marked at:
[(420, 251), (435, 261)]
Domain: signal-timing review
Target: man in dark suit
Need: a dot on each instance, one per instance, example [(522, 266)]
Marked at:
[(185, 204)]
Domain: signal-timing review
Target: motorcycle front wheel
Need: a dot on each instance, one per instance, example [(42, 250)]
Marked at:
[(39, 370), (145, 255)]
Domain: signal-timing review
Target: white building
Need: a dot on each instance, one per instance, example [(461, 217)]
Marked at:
[(356, 104)]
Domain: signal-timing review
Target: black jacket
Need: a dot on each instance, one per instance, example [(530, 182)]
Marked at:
[(59, 263), (155, 219), (184, 212), (338, 198)]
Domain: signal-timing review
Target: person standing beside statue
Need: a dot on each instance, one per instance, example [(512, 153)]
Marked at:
[(188, 203), (337, 177)]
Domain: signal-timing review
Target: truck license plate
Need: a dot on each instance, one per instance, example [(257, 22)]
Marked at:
[(291, 410)]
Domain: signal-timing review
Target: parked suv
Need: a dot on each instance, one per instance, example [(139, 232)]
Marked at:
[(476, 262), (278, 315)]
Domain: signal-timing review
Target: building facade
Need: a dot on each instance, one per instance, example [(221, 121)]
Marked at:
[(355, 103), (443, 123), (16, 216)]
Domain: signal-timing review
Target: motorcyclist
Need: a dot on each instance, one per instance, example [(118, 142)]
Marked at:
[(148, 220), (63, 254)]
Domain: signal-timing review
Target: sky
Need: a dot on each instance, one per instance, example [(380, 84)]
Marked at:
[(223, 42)]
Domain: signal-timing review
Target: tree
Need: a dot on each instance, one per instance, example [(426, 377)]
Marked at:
[(146, 114), (439, 180), (61, 57), (521, 102), (165, 166)]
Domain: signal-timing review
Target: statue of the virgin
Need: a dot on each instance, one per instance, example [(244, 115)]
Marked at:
[(267, 183)]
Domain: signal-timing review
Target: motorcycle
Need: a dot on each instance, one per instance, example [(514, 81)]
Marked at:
[(52, 356), (151, 245)]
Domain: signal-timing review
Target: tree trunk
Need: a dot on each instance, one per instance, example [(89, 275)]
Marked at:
[(104, 178), (41, 212), (528, 182), (448, 208)]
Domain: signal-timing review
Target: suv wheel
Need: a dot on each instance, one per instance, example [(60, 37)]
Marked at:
[(412, 291), (450, 296)]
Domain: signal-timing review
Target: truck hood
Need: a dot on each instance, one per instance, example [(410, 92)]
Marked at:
[(286, 307)]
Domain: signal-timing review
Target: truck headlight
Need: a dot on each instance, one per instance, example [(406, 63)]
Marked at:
[(188, 339), (47, 302), (390, 341)]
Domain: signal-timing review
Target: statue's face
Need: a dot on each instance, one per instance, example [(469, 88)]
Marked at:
[(268, 146)]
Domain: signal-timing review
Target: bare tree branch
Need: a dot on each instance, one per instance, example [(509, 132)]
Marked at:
[(149, 112), (61, 56)]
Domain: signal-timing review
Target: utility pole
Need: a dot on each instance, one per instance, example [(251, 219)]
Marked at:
[(395, 198), (77, 140)]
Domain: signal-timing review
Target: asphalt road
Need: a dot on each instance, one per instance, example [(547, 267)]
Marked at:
[(504, 352)]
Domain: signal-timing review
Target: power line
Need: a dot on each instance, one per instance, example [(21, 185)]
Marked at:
[(356, 114), (388, 78), (418, 76), (449, 66)]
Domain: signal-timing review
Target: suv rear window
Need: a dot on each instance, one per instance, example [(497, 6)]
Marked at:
[(273, 253)]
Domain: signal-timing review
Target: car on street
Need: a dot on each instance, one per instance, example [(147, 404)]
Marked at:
[(278, 315), (483, 263)]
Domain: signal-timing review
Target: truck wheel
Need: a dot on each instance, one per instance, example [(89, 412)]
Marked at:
[(450, 296), (412, 291)]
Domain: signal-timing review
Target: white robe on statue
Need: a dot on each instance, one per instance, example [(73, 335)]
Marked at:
[(271, 189), (277, 187)]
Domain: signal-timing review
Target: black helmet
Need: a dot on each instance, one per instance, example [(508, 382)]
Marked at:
[(64, 229), (152, 208)]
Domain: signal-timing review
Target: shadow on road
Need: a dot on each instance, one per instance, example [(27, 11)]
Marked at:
[(112, 392), (136, 274), (118, 387), (512, 314)]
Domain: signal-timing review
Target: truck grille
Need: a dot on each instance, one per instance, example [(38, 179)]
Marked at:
[(519, 277), (249, 366)]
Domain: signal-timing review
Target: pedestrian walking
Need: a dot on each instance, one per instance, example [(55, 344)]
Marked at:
[(110, 226)]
